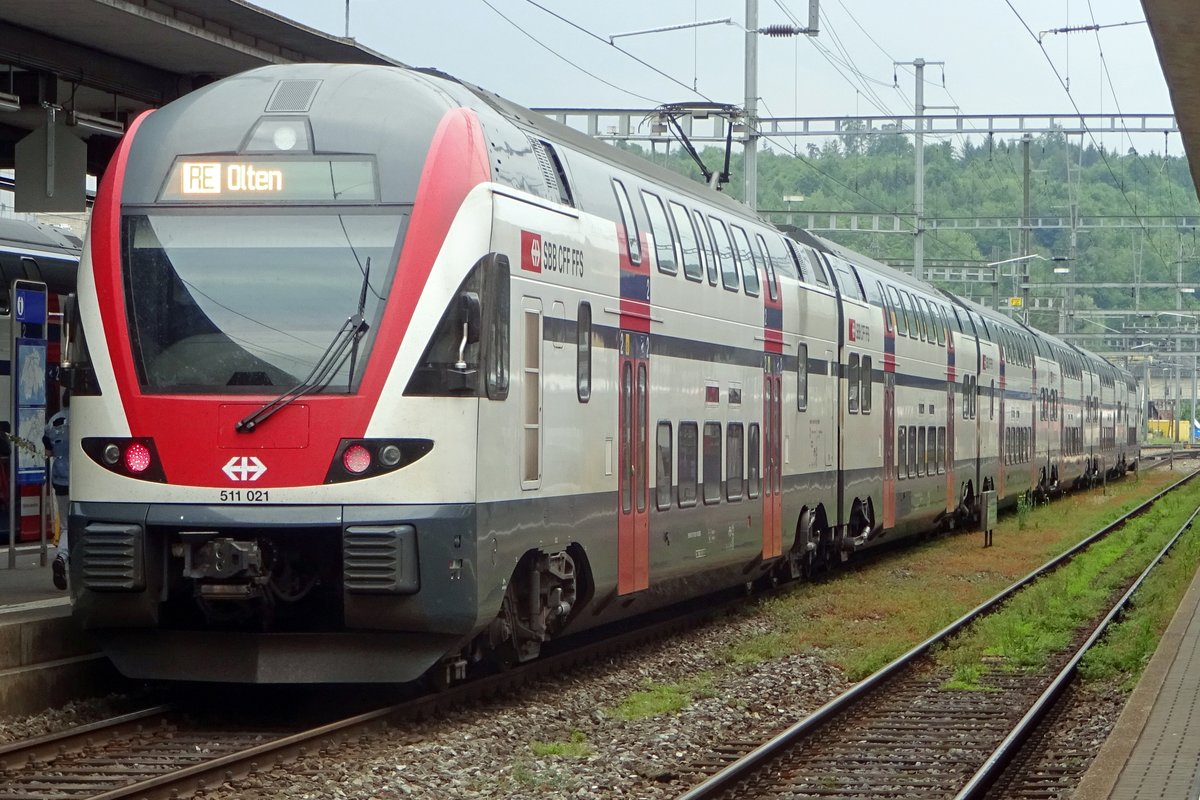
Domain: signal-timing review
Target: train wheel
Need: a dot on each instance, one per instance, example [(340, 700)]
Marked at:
[(804, 551)]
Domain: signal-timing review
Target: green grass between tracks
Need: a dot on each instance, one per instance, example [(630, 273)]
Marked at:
[(1043, 619), (861, 619)]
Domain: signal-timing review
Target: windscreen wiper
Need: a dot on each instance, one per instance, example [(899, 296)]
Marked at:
[(344, 346)]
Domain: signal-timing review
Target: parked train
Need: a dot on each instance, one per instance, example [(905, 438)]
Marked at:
[(48, 254), (378, 374)]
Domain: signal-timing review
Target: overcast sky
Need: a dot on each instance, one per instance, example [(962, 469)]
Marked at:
[(993, 64)]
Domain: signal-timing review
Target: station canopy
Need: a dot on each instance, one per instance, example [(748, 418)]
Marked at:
[(87, 68), (1175, 27)]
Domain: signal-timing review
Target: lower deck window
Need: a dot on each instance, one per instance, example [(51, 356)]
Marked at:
[(712, 462)]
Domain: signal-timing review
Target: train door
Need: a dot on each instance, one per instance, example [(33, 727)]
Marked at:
[(832, 409), (889, 411), (949, 450), (633, 538), (772, 458)]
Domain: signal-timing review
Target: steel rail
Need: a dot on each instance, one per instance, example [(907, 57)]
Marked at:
[(76, 738), (742, 768), (290, 746), (994, 764)]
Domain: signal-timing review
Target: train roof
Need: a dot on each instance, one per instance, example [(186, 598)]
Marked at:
[(39, 235), (556, 131)]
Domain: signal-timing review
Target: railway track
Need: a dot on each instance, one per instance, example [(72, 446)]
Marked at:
[(902, 734), (166, 752)]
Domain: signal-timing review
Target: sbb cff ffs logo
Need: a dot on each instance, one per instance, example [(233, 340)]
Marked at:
[(531, 251), (548, 256)]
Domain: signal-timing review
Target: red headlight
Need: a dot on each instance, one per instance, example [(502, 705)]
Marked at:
[(137, 457), (356, 459)]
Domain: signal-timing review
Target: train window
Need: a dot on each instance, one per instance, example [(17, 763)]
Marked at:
[(974, 396), (930, 321), (689, 459), (633, 247), (941, 450), (852, 384), (693, 266), (662, 464), (958, 320), (710, 252), (583, 352), (926, 318), (922, 453), (802, 378), (912, 451), (966, 390), (1054, 404), (913, 327), (724, 246), (748, 259), (783, 258), (734, 460), (992, 399), (898, 310), (712, 462), (931, 465), (889, 321), (818, 266), (939, 322), (867, 379), (496, 326), (664, 241), (752, 460), (901, 453), (768, 267)]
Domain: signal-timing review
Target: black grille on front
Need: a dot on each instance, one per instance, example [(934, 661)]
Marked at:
[(380, 559), (111, 556), (293, 95)]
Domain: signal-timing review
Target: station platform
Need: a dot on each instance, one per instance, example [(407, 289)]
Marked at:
[(28, 589), (45, 659), (1154, 749)]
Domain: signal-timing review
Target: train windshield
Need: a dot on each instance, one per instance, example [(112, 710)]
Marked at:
[(249, 302)]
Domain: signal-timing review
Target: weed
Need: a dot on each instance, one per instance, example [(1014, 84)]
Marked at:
[(576, 747), (666, 698)]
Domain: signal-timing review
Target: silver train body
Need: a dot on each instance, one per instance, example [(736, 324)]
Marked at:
[(568, 387)]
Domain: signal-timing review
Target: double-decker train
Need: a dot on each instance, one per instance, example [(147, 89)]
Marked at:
[(377, 375)]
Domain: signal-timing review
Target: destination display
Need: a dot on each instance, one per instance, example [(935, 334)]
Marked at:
[(200, 179)]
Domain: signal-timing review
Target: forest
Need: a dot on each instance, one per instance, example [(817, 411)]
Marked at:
[(983, 177)]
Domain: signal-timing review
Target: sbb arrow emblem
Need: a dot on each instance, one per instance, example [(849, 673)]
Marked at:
[(244, 468)]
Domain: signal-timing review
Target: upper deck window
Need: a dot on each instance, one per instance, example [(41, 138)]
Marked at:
[(693, 265), (664, 241), (633, 245), (724, 245)]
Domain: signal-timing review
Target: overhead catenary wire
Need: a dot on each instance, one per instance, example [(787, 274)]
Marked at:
[(563, 58), (1104, 156)]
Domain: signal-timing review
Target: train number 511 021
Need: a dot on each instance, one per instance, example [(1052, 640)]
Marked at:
[(244, 496)]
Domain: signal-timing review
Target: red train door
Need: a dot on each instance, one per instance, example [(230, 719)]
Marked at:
[(772, 462), (633, 537)]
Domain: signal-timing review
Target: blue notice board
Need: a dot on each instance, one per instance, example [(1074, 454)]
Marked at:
[(29, 379), (30, 306)]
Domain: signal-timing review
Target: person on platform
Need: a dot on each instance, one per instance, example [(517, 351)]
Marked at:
[(56, 440)]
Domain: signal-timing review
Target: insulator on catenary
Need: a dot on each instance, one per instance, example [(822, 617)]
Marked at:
[(779, 30)]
